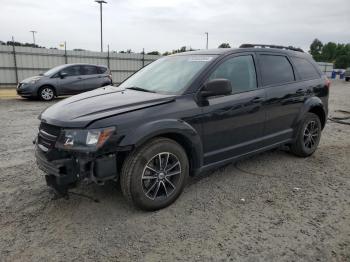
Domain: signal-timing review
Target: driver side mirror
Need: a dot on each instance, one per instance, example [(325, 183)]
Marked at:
[(62, 74), (216, 87)]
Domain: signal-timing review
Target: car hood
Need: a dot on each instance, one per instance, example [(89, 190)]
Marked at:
[(27, 80), (80, 110)]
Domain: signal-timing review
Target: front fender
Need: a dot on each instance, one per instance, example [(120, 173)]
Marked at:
[(167, 127)]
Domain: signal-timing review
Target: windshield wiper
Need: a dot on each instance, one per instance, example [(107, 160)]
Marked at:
[(140, 89)]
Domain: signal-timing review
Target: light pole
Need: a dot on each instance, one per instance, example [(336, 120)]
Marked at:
[(33, 32), (101, 2), (207, 39)]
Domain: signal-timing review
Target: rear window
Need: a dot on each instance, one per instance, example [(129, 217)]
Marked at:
[(305, 69), (101, 70), (276, 69)]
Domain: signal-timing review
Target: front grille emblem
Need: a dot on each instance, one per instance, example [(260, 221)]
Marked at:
[(69, 141)]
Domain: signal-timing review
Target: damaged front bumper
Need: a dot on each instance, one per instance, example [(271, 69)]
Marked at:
[(66, 170)]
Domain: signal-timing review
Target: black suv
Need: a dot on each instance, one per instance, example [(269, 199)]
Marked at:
[(181, 115)]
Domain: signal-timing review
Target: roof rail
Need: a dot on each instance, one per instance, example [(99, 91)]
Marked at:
[(272, 46)]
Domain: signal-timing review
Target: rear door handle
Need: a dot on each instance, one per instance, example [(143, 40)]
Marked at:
[(258, 100)]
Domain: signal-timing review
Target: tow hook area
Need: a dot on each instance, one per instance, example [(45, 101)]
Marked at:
[(60, 190), (70, 172)]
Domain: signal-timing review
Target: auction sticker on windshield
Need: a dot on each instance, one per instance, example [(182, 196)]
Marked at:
[(200, 58)]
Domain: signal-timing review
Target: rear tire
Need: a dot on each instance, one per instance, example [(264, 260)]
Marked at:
[(46, 93), (347, 79), (154, 175), (308, 136)]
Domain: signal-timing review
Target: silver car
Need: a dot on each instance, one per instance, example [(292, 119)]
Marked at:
[(68, 79), (347, 74)]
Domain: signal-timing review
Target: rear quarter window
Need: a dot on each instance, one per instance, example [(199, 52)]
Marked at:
[(101, 70), (275, 69), (305, 69)]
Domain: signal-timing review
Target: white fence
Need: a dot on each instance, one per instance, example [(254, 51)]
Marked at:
[(19, 63), (326, 68)]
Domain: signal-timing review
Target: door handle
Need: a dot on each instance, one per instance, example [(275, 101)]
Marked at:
[(80, 78), (300, 91), (258, 100)]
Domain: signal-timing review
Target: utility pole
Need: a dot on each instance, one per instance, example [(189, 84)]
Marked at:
[(101, 2), (207, 39), (33, 32), (65, 53), (14, 59), (108, 63)]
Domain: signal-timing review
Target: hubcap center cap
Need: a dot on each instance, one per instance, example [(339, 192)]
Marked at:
[(161, 176)]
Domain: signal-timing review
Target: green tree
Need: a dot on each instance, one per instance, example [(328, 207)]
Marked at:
[(153, 53), (316, 49), (225, 45), (128, 51), (342, 62), (329, 52)]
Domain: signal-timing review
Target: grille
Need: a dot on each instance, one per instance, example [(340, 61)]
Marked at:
[(47, 136)]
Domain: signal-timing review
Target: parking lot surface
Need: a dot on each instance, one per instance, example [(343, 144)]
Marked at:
[(271, 207)]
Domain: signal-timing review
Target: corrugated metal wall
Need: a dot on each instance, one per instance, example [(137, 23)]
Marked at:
[(33, 61)]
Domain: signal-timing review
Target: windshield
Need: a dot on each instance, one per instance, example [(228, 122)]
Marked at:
[(168, 75), (54, 70)]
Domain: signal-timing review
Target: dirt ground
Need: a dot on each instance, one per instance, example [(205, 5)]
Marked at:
[(271, 207)]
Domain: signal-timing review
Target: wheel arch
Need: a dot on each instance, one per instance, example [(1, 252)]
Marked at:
[(319, 111), (177, 130), (316, 106)]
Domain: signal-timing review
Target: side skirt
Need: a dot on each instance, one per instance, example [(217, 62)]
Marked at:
[(239, 157)]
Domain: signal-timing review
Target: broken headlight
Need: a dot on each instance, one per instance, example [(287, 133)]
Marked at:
[(84, 139)]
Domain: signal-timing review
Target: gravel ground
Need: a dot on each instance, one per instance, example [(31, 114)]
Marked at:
[(271, 207)]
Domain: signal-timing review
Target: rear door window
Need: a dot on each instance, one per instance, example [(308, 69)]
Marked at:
[(240, 71), (275, 69), (305, 69), (89, 70), (72, 71)]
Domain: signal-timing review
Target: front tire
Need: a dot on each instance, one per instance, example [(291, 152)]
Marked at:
[(46, 93), (308, 136), (154, 175)]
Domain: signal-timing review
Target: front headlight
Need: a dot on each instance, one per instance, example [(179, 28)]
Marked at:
[(84, 139)]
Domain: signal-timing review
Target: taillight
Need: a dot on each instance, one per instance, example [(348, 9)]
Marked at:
[(327, 83)]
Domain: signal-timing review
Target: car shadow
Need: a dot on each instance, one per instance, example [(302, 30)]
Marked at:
[(109, 196)]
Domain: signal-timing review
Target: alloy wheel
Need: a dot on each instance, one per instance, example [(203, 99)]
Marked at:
[(161, 175), (311, 134)]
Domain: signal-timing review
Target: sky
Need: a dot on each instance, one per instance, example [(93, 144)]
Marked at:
[(164, 25)]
